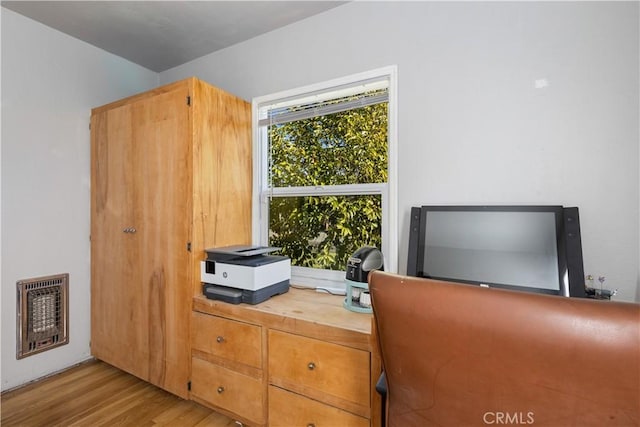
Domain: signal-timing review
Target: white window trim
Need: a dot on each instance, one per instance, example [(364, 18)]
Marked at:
[(325, 279)]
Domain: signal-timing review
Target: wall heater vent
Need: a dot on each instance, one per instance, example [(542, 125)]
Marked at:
[(42, 314)]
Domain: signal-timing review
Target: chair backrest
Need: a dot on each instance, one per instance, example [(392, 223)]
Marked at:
[(460, 355)]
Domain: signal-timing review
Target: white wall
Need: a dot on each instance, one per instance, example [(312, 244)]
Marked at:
[(473, 127), (50, 82)]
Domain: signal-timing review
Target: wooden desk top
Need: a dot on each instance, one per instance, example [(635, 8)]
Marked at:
[(300, 311)]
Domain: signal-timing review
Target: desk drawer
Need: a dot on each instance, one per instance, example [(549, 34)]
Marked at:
[(231, 340), (221, 387), (315, 367), (287, 409)]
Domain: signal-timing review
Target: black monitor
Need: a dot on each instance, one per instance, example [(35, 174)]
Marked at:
[(525, 248)]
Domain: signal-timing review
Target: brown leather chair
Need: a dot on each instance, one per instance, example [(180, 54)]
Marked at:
[(462, 355)]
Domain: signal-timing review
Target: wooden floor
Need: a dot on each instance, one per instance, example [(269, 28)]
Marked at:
[(97, 394)]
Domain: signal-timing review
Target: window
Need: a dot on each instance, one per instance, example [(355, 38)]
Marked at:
[(324, 181)]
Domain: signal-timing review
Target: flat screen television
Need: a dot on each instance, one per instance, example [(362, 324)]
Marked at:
[(526, 248)]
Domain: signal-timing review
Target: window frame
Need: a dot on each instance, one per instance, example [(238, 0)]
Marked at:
[(330, 280)]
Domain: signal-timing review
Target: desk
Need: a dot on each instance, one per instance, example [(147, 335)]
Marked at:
[(299, 358)]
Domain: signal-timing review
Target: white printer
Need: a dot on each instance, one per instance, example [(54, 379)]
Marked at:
[(246, 274)]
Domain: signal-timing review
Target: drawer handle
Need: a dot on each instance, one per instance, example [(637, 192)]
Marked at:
[(311, 425), (220, 339), (311, 366), (220, 390)]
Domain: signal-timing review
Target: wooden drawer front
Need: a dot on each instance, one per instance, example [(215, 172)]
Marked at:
[(236, 341), (309, 366), (221, 387), (287, 409)]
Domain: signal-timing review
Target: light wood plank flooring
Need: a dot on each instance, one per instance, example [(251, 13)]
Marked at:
[(97, 394)]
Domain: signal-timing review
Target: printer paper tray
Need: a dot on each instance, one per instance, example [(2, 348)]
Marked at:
[(236, 296)]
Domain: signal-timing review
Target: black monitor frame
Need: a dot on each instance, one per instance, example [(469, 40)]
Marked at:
[(568, 240)]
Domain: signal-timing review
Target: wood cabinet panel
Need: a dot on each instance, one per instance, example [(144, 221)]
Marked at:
[(223, 157), (317, 368), (223, 388), (288, 409), (235, 341), (115, 303), (163, 138)]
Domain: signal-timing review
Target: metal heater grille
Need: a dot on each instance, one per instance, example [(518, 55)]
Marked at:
[(42, 314)]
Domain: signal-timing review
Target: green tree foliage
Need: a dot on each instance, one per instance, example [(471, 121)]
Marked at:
[(349, 147)]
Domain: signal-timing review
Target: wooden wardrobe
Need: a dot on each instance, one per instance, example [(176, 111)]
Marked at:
[(170, 177)]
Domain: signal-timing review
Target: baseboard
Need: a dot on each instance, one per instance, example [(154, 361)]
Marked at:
[(91, 359)]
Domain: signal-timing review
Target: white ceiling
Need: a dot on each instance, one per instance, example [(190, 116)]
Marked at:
[(163, 34)]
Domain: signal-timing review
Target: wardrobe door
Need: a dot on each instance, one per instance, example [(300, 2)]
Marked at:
[(119, 316), (162, 133)]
